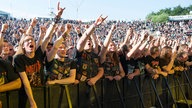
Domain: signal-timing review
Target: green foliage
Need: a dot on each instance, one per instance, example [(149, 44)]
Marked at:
[(163, 14), (160, 18)]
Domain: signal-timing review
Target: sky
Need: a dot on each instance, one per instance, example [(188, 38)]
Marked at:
[(86, 10)]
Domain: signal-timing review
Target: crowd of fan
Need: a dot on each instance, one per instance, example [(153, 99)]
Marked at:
[(126, 35), (172, 30)]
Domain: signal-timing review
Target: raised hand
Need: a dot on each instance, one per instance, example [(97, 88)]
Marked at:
[(130, 32), (4, 27), (33, 22), (86, 26), (100, 20), (60, 10), (67, 31), (78, 29), (22, 31), (175, 47), (113, 27), (144, 35), (43, 30), (68, 27)]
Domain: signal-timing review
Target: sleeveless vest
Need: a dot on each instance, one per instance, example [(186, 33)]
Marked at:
[(87, 66), (59, 70), (110, 68)]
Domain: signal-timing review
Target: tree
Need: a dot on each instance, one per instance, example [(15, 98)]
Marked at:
[(163, 14), (160, 18)]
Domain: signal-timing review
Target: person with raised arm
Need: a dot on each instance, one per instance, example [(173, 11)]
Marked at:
[(89, 70), (136, 63), (9, 79), (28, 62), (127, 53), (109, 58), (11, 50), (84, 47), (152, 63), (5, 46), (41, 36), (167, 58), (113, 70), (61, 69)]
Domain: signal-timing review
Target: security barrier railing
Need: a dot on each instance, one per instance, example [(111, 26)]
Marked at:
[(136, 93)]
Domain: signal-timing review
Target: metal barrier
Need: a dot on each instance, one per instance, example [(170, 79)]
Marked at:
[(136, 93)]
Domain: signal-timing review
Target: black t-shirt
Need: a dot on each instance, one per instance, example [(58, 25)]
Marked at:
[(132, 64), (163, 63), (60, 69), (123, 61), (178, 67), (7, 73), (128, 65), (141, 64), (32, 66), (190, 60), (153, 62), (110, 67)]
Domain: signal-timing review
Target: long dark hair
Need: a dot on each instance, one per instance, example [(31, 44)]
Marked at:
[(114, 58), (124, 49)]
